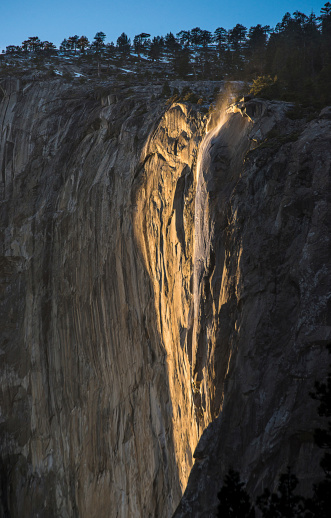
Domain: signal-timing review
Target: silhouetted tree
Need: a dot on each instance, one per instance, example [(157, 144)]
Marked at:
[(221, 37), (83, 43), (184, 37), (284, 503), (195, 37), (155, 49), (237, 37), (98, 40), (123, 44), (49, 47), (171, 44), (234, 499), (141, 43), (73, 42), (256, 48), (237, 40), (65, 45), (166, 90), (321, 501), (206, 38), (181, 62), (33, 43), (13, 49)]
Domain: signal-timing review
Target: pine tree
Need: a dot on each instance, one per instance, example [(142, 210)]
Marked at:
[(155, 48), (141, 43), (65, 45), (321, 501), (171, 44), (234, 499), (181, 62), (73, 41), (184, 37), (33, 43), (123, 43), (284, 503), (83, 43)]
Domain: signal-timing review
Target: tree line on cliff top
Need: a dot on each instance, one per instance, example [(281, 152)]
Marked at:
[(291, 61)]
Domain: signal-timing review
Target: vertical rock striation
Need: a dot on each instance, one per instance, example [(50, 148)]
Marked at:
[(89, 423), (149, 294)]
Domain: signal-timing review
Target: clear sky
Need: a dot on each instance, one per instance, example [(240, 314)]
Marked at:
[(54, 20)]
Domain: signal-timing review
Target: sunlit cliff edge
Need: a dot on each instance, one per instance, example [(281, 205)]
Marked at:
[(165, 299)]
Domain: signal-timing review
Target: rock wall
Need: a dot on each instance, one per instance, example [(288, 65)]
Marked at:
[(150, 292), (265, 299), (89, 424)]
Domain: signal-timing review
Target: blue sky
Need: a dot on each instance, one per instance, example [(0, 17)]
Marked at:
[(57, 19)]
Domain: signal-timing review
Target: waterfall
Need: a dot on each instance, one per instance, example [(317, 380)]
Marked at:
[(203, 223)]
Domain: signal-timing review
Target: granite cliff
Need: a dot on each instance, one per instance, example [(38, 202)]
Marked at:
[(164, 298)]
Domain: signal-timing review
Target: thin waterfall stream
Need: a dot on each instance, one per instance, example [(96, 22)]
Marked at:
[(202, 225)]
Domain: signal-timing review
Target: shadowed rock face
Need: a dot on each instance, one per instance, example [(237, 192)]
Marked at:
[(117, 351), (269, 235)]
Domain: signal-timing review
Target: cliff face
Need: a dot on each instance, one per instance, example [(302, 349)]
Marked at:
[(87, 426), (147, 286), (266, 301)]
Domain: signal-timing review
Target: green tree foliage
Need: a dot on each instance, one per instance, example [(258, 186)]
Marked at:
[(206, 38), (234, 499), (195, 36), (264, 86), (293, 54), (236, 44)]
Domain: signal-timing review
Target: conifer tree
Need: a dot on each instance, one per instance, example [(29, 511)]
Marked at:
[(234, 499), (33, 43), (321, 501), (83, 43), (123, 43), (73, 41), (141, 43), (284, 503), (155, 48)]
